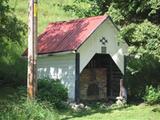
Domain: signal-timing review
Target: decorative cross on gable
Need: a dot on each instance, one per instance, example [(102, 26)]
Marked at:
[(103, 41)]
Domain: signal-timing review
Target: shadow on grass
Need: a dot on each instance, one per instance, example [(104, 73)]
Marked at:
[(108, 109), (5, 92), (70, 114)]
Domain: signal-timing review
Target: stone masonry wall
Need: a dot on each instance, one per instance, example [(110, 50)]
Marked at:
[(86, 79)]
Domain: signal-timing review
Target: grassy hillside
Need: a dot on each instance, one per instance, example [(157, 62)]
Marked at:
[(48, 11)]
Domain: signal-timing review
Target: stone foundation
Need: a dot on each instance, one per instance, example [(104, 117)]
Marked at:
[(88, 84)]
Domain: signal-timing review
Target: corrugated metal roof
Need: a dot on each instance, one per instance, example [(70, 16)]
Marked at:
[(67, 36)]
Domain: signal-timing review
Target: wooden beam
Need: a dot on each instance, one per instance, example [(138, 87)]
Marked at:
[(77, 82), (110, 80), (125, 65), (32, 50)]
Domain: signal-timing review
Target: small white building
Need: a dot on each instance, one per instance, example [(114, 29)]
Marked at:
[(85, 55)]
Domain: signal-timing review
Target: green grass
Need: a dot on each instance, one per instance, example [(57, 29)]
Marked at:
[(132, 112), (48, 11), (129, 112), (15, 107), (5, 92)]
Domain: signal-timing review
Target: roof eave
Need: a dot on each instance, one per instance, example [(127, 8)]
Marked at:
[(54, 53), (57, 53)]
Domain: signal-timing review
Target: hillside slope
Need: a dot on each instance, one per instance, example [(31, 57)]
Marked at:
[(48, 11)]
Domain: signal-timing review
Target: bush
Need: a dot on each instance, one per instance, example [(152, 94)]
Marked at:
[(49, 90), (152, 95), (141, 72), (52, 91), (27, 110)]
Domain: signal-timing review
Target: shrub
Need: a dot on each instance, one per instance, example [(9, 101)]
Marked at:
[(152, 95), (28, 110), (141, 72), (52, 91), (49, 90)]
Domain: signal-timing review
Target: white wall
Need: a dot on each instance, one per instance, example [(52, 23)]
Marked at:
[(59, 67), (93, 45)]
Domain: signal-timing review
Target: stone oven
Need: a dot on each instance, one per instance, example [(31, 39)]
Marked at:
[(93, 89), (93, 82), (99, 79)]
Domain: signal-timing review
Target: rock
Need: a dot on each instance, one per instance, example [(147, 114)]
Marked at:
[(87, 107), (77, 107), (121, 101), (103, 106)]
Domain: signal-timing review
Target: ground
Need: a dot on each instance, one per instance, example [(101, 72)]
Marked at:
[(139, 111), (130, 112)]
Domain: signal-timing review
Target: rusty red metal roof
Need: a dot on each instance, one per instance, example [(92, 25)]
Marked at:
[(67, 36)]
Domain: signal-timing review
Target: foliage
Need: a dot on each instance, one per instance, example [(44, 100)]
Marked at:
[(136, 11), (52, 91), (86, 8), (12, 36), (11, 28), (49, 90), (152, 95), (27, 110), (142, 38), (129, 11), (13, 74), (141, 72)]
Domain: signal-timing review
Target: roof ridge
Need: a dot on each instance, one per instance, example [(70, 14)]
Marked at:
[(78, 19)]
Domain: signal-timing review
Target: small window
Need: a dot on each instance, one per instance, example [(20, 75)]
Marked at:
[(118, 43), (103, 49)]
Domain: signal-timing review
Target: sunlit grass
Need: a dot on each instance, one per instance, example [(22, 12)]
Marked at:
[(48, 11), (132, 112)]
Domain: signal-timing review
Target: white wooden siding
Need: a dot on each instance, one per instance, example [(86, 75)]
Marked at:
[(93, 45), (59, 67)]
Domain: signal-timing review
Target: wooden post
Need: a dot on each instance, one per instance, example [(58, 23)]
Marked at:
[(77, 82), (32, 50)]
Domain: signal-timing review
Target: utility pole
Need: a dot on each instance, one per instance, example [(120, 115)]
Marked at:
[(32, 50)]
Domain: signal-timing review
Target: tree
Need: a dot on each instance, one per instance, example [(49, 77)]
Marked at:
[(12, 41), (11, 28)]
